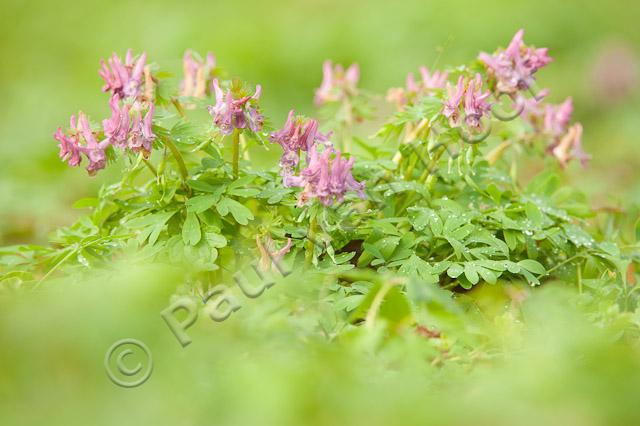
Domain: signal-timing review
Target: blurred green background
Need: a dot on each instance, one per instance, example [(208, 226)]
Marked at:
[(252, 371)]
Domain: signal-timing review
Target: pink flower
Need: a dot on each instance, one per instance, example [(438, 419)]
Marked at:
[(296, 134), (452, 104), (229, 113), (557, 117), (71, 145), (270, 257), (196, 75), (337, 84), (116, 128), (93, 150), (123, 80), (141, 136), (414, 89), (570, 147), (475, 105), (552, 121), (126, 128), (513, 68), (327, 178), (437, 80)]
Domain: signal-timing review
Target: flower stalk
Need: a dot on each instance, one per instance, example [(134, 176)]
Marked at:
[(311, 235), (182, 168), (236, 152)]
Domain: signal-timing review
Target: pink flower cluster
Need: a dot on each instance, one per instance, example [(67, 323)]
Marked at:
[(513, 68), (198, 75), (129, 127), (298, 134), (123, 80), (414, 89), (337, 83), (553, 121), (469, 98), (80, 139), (327, 177), (229, 113)]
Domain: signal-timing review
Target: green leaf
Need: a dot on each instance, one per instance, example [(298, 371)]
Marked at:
[(495, 193), (152, 219), (534, 215), (387, 246), (471, 273), (455, 270), (532, 266), (203, 186), (191, 233), (488, 275), (416, 267), (244, 192), (215, 240), (200, 203), (372, 250), (240, 213), (349, 303), (240, 182), (274, 195), (578, 236), (510, 238), (530, 277), (89, 202)]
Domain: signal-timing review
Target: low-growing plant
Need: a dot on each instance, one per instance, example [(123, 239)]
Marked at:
[(433, 205)]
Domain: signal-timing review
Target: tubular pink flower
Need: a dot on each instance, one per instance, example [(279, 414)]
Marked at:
[(229, 113), (414, 90), (437, 80), (141, 136), (93, 150), (71, 145), (270, 257), (123, 80), (126, 128), (297, 134), (337, 84), (116, 128), (475, 105), (197, 74), (552, 121), (326, 178), (513, 68), (570, 147), (557, 118), (452, 105)]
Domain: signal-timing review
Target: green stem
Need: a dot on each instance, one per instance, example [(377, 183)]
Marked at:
[(176, 103), (308, 259), (579, 280), (178, 157), (57, 265), (564, 262), (236, 152), (347, 126), (150, 166)]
